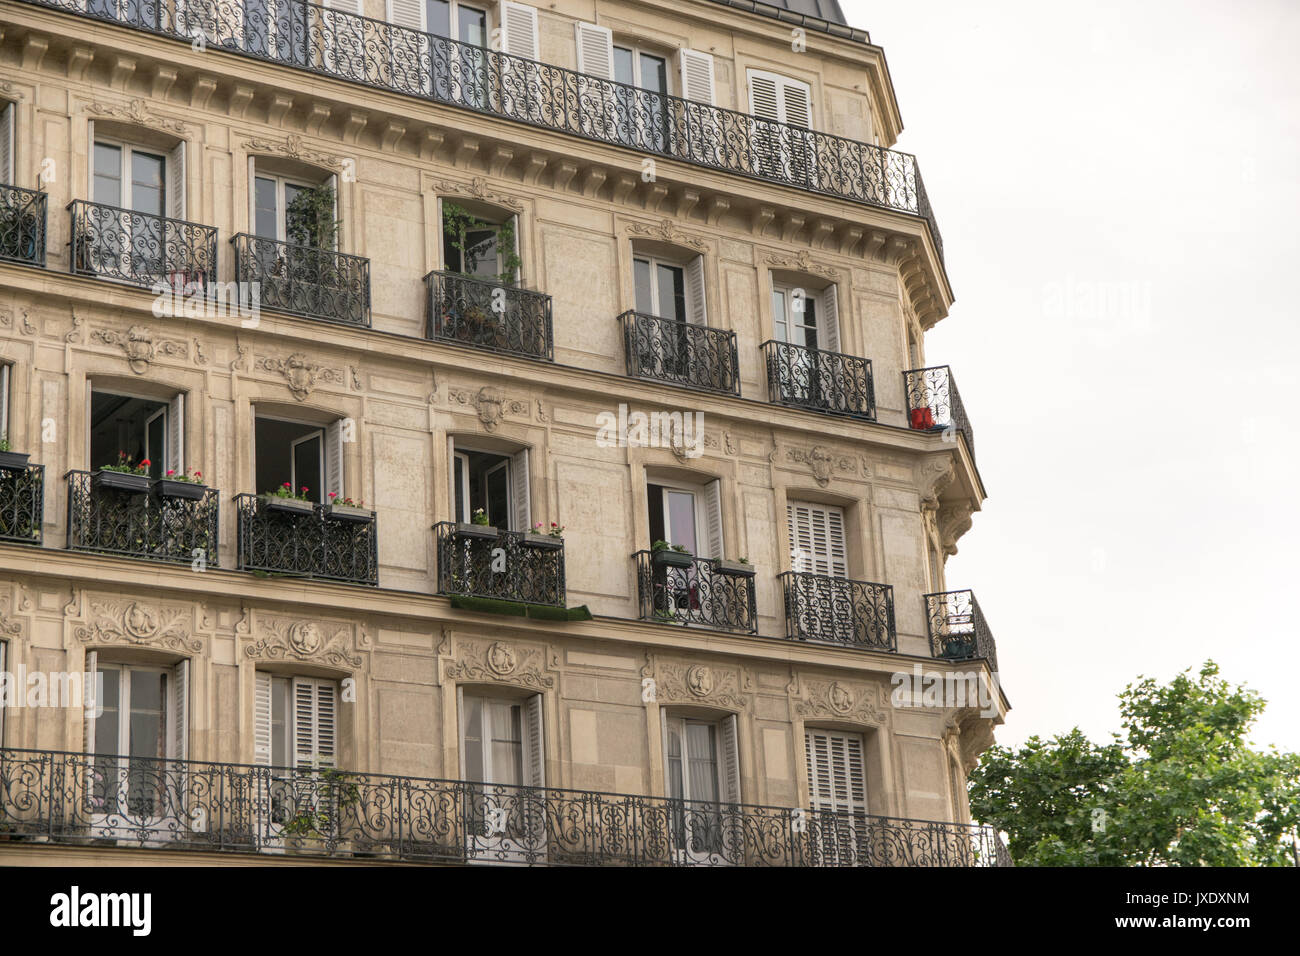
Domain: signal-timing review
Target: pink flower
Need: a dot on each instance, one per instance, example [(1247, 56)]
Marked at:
[(170, 472)]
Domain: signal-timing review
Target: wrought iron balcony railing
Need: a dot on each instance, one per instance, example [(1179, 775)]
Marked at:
[(958, 630), (22, 503), (22, 225), (358, 49), (681, 353), (305, 280), (139, 517), (839, 611), (820, 380), (529, 568), (489, 315), (675, 588), (109, 242), (59, 798), (308, 543), (934, 404)]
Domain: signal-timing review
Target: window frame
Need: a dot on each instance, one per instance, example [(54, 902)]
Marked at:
[(126, 182)]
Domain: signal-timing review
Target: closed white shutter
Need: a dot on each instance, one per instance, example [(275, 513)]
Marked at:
[(764, 97), (519, 494), (816, 539), (730, 760), (407, 13), (90, 162), (828, 318), (697, 76), (176, 435), (314, 723), (176, 181), (713, 519), (7, 144), (4, 403), (90, 700), (519, 30), (178, 721), (836, 773), (595, 50), (334, 459), (262, 697), (347, 6), (696, 310), (796, 103), (534, 743)]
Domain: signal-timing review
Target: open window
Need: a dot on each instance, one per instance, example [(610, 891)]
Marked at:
[(293, 207), (702, 773), (480, 241), (782, 140), (495, 483), (503, 757), (295, 730), (307, 456), (837, 789), (805, 317), (687, 515), (138, 428)]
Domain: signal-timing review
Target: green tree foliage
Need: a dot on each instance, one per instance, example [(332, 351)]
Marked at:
[(1180, 787)]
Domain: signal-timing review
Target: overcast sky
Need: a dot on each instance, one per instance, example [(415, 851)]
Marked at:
[(1118, 186)]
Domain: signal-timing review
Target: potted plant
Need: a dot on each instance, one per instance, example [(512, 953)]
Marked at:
[(283, 499), (124, 475), (9, 458), (675, 556), (478, 527), (957, 647), (738, 568), (189, 486), (345, 509), (551, 539), (922, 419)]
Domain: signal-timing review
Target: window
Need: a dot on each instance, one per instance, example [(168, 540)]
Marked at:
[(669, 289), (502, 750), (496, 483), (302, 454), (7, 145), (5, 373), (805, 318), (479, 245), (702, 770), (295, 721), (779, 152), (816, 539), (837, 789), (139, 428), (456, 21), (284, 210), (2, 705), (687, 515), (146, 181)]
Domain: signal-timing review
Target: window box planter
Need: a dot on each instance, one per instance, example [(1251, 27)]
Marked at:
[(736, 569), (543, 542), (189, 490), (292, 505), (922, 419), (483, 532), (668, 558), (349, 513), (13, 459), (122, 481), (958, 647)]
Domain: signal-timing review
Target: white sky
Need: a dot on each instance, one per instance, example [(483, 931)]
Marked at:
[(1118, 186)]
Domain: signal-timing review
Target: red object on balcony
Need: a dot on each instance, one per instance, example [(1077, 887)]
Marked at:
[(922, 419)]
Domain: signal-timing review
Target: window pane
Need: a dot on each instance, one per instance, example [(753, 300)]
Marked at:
[(280, 721), (644, 295), (472, 25), (654, 73), (106, 725), (701, 747), (681, 519), (482, 247), (471, 739), (265, 224), (461, 513), (148, 696), (498, 497), (108, 174), (157, 445), (623, 65), (507, 747), (778, 315), (674, 762), (147, 183), (438, 14), (672, 292), (307, 469)]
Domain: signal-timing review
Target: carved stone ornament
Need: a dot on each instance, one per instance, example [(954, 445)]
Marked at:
[(137, 112), (500, 663), (666, 231), (490, 404), (802, 262), (479, 188), (295, 147), (934, 474), (678, 681), (320, 642), (699, 680), (819, 459), (954, 521), (140, 347), (837, 699), (301, 374), (144, 625)]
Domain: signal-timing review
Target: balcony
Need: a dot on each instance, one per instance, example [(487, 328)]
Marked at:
[(481, 562), (958, 631), (489, 315), (839, 611), (382, 55), (304, 280), (680, 353), (140, 517), (676, 588), (310, 541), (59, 798), (134, 247), (22, 225), (934, 404), (820, 381), (22, 502)]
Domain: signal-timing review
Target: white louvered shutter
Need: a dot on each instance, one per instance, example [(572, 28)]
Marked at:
[(816, 539), (534, 743), (730, 760), (697, 76), (713, 519), (345, 6), (262, 698), (828, 318), (4, 406), (178, 721), (764, 97), (176, 435), (407, 13), (176, 181), (796, 104), (314, 723), (836, 772), (2, 706), (519, 34), (7, 144), (334, 459), (90, 162), (519, 492), (696, 309), (451, 483), (91, 700), (460, 727), (595, 50)]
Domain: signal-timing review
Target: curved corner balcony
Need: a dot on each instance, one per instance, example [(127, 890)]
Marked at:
[(385, 56), (958, 631)]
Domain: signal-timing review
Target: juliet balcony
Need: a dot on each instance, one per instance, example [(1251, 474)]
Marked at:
[(279, 536), (22, 499), (680, 353), (677, 588), (374, 53), (479, 561), (140, 517), (489, 315), (137, 248), (934, 404), (835, 610), (820, 381), (958, 631), (22, 225), (52, 798), (304, 280)]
